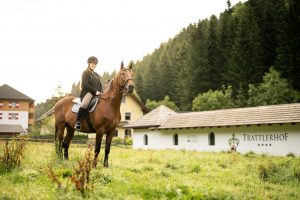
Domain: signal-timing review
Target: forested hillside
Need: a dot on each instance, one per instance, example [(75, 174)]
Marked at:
[(233, 50), (247, 56)]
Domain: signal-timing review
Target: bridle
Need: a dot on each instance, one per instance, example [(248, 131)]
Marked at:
[(123, 90)]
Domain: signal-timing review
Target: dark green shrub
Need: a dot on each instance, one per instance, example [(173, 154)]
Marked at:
[(250, 154), (291, 155), (171, 166), (117, 140), (196, 169), (128, 141)]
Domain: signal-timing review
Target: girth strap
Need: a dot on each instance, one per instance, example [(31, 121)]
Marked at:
[(89, 122)]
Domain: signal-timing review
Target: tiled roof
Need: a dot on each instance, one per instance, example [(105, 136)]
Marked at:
[(12, 128), (7, 92), (152, 119), (274, 114)]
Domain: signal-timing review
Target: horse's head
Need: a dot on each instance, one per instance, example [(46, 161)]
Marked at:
[(125, 76)]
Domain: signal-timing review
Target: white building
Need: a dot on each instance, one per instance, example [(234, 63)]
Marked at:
[(271, 129)]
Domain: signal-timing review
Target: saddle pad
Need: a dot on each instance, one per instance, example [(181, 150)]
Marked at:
[(77, 101), (75, 107), (77, 104)]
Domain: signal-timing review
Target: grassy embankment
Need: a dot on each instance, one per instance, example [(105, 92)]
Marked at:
[(147, 174)]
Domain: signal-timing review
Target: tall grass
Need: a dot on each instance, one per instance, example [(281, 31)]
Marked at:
[(280, 172), (149, 174), (82, 175), (12, 154)]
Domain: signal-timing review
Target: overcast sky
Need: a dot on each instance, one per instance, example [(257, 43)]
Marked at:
[(45, 43)]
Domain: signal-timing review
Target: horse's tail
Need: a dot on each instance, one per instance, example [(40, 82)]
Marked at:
[(55, 124)]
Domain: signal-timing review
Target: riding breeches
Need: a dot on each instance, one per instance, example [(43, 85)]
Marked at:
[(86, 100)]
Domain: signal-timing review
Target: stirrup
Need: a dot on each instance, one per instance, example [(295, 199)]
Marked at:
[(77, 126)]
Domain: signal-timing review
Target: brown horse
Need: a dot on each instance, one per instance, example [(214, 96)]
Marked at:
[(104, 118)]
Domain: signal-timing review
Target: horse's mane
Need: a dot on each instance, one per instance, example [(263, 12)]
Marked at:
[(108, 85)]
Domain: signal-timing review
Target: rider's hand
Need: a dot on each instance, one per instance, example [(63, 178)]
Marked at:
[(98, 93)]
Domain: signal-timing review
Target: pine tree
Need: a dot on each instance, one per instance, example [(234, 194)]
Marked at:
[(75, 90), (288, 51), (244, 67), (214, 66)]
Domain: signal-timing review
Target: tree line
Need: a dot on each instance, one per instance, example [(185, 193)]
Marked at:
[(247, 56), (235, 50)]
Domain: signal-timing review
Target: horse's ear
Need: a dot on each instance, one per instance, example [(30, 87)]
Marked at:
[(131, 65), (122, 65)]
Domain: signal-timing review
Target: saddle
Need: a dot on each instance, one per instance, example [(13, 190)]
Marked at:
[(90, 108)]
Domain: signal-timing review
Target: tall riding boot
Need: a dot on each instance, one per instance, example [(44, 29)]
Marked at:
[(80, 115)]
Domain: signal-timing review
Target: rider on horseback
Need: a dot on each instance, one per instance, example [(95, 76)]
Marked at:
[(90, 86)]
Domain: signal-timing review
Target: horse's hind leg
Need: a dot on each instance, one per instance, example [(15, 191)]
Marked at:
[(67, 140), (59, 135)]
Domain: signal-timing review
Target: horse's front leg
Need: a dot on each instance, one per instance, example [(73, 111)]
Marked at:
[(99, 136), (109, 138), (67, 141)]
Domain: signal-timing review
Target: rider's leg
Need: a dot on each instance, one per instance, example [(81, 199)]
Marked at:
[(82, 110)]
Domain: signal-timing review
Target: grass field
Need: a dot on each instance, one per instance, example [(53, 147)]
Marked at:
[(148, 174)]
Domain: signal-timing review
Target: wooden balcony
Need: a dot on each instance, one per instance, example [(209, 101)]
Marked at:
[(31, 110)]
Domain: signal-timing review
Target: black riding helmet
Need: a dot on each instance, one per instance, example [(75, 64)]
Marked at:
[(92, 59)]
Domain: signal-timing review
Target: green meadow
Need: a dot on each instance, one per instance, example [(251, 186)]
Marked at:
[(151, 174)]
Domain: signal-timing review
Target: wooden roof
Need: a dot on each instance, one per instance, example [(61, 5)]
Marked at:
[(152, 119), (12, 128), (273, 114), (7, 92)]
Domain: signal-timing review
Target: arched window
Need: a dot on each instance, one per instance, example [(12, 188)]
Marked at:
[(145, 139), (175, 139), (211, 139)]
